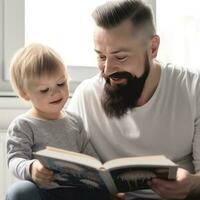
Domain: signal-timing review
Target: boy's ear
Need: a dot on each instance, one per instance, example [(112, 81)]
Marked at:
[(24, 95), (155, 42)]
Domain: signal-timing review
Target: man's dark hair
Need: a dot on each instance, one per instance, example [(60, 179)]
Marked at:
[(113, 12)]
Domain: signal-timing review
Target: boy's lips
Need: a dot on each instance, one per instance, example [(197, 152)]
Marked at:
[(56, 101)]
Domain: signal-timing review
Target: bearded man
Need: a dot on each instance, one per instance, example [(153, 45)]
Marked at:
[(138, 106)]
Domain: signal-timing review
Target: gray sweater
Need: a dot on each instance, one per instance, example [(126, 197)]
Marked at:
[(27, 134)]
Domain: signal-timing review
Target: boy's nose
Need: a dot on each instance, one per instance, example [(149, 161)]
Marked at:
[(54, 91)]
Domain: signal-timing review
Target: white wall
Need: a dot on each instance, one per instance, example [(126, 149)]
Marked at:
[(9, 109), (6, 178)]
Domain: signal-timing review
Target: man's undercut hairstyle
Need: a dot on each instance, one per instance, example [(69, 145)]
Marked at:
[(113, 12)]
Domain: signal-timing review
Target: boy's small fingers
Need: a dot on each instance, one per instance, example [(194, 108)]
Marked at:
[(45, 176), (45, 171), (43, 182)]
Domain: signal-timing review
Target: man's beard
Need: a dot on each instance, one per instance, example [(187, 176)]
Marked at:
[(119, 98)]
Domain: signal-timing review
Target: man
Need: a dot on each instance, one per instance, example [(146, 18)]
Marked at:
[(137, 106)]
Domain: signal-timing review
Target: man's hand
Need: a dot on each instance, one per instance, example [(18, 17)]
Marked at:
[(178, 189), (120, 196), (40, 174)]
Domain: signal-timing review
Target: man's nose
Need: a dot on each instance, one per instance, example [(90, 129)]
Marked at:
[(109, 67)]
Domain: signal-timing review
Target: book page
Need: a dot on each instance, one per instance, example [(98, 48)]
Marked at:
[(157, 160), (133, 173), (135, 178)]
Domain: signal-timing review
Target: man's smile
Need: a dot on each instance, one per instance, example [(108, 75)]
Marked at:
[(118, 81)]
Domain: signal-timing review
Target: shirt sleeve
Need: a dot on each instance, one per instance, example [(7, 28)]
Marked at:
[(19, 149), (89, 149), (77, 106), (196, 139), (84, 142)]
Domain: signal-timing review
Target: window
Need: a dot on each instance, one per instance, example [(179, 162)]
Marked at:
[(11, 36), (178, 24), (66, 26)]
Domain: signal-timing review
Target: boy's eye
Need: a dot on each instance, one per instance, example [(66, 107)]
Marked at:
[(44, 91), (61, 84)]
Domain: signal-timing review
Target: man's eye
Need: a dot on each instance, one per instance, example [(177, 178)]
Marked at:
[(44, 91), (61, 84), (100, 57), (121, 58)]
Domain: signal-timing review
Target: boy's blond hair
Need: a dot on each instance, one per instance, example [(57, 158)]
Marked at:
[(31, 62)]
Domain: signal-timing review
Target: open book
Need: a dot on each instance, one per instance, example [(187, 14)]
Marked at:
[(117, 175)]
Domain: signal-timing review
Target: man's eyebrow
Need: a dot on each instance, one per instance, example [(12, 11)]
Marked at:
[(120, 51), (114, 52), (97, 51)]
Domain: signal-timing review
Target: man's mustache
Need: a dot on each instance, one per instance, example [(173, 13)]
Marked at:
[(126, 75)]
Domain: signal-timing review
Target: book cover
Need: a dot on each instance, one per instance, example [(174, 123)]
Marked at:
[(73, 169), (70, 174)]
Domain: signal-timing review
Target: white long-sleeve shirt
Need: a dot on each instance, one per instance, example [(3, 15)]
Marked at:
[(169, 123)]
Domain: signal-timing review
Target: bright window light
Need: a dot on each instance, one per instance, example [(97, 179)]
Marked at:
[(178, 24), (66, 26)]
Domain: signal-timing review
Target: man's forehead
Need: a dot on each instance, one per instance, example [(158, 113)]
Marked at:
[(114, 45), (116, 37), (125, 26)]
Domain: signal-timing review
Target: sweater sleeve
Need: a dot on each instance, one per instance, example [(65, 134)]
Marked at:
[(19, 148)]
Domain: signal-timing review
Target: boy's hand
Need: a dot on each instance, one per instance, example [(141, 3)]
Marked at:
[(40, 174)]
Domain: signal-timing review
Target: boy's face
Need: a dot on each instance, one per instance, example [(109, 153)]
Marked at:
[(48, 94)]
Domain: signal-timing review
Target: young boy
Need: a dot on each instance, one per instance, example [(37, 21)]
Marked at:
[(38, 75)]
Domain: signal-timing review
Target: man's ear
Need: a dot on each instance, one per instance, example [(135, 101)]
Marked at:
[(155, 42)]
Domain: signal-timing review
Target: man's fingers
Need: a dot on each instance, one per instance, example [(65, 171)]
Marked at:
[(120, 195), (165, 192)]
